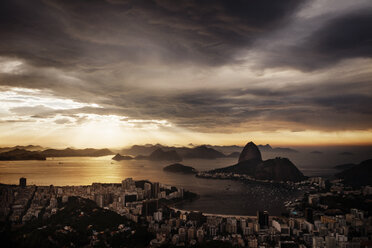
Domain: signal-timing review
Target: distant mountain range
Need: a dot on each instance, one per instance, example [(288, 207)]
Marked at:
[(119, 157), (21, 154), (16, 153), (28, 148), (250, 163), (161, 153), (69, 152)]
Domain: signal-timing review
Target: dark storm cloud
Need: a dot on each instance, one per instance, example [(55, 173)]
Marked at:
[(97, 33), (115, 53), (344, 36), (347, 36)]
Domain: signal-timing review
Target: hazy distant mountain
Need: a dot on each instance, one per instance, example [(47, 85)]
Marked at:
[(250, 163), (118, 157), (283, 150), (68, 152), (264, 148), (233, 155), (226, 149), (141, 149), (28, 148), (180, 168), (21, 154), (199, 152), (203, 152), (358, 175), (161, 155)]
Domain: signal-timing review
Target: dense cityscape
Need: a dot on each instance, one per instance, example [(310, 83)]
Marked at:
[(311, 221)]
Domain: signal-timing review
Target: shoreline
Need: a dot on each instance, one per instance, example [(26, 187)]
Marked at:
[(215, 215)]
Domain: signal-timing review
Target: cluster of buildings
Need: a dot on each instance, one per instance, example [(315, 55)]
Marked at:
[(265, 231), (241, 177), (133, 199), (310, 222)]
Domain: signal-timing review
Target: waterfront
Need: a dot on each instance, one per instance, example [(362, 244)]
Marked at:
[(216, 196)]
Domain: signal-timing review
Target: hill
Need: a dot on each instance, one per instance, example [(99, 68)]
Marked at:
[(344, 166), (79, 223), (32, 148), (250, 163), (21, 154), (69, 152), (161, 155), (203, 152), (119, 157), (358, 175), (180, 168)]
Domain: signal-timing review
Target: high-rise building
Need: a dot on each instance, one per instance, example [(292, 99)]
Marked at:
[(263, 219), (130, 197), (231, 225), (330, 242), (147, 190), (158, 216), (182, 234), (309, 215), (200, 235), (128, 184), (149, 207), (191, 233), (22, 182), (155, 190)]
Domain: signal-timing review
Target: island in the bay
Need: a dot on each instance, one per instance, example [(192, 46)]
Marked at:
[(180, 168)]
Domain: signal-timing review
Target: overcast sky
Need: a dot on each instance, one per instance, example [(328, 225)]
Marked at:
[(114, 73)]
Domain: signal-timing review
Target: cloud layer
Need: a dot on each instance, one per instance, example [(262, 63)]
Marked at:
[(202, 66)]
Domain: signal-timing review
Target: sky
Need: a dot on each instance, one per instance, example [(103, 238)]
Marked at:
[(115, 73)]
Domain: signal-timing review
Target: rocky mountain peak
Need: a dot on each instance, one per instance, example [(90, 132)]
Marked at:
[(250, 152)]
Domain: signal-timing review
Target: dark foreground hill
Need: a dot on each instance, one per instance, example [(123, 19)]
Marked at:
[(78, 223), (251, 163), (358, 175)]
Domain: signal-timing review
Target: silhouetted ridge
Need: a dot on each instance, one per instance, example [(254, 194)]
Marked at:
[(119, 157), (250, 163), (159, 154), (358, 175), (203, 152), (21, 154)]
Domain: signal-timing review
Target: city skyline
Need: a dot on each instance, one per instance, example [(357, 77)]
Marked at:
[(117, 73)]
